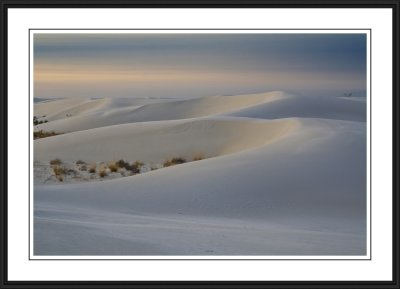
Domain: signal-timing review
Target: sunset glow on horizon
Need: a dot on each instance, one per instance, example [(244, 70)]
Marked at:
[(191, 65)]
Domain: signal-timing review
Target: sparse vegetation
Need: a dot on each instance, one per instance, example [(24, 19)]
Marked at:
[(58, 170), (92, 168), (36, 121), (135, 167), (55, 162), (102, 173), (113, 167), (174, 161), (122, 164), (66, 171), (43, 134)]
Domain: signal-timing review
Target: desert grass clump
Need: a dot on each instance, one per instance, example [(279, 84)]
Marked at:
[(92, 168), (55, 162), (174, 161), (58, 171), (80, 162), (113, 167), (102, 173), (43, 134), (36, 121), (122, 164), (198, 157), (136, 166)]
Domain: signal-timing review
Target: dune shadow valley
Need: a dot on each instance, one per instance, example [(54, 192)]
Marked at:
[(264, 174)]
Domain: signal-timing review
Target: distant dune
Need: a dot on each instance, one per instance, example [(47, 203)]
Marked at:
[(282, 175), (79, 114)]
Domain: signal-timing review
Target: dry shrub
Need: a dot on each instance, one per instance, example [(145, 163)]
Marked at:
[(134, 167), (102, 173), (80, 162), (55, 162), (43, 134), (58, 170), (174, 161), (122, 164), (92, 168), (113, 167)]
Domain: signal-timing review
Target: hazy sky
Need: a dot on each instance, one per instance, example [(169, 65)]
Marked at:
[(190, 65)]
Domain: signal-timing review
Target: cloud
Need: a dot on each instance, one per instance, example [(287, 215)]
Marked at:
[(191, 62)]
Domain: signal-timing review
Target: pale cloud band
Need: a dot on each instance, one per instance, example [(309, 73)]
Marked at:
[(189, 65)]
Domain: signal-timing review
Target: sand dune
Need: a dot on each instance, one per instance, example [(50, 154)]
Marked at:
[(86, 114), (80, 114), (158, 141), (349, 108), (297, 186), (284, 175)]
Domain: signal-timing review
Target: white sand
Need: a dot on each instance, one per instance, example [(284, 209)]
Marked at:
[(81, 114), (279, 178), (161, 140)]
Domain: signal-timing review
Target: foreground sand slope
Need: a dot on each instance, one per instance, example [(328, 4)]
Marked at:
[(302, 193)]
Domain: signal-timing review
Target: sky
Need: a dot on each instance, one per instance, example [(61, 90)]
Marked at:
[(193, 65)]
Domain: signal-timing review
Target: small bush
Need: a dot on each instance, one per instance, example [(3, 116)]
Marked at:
[(135, 167), (80, 162), (55, 162), (36, 122), (58, 170), (174, 161), (113, 167), (122, 164), (102, 173), (92, 169), (43, 134)]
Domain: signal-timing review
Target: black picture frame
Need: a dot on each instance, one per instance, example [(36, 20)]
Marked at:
[(394, 5)]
